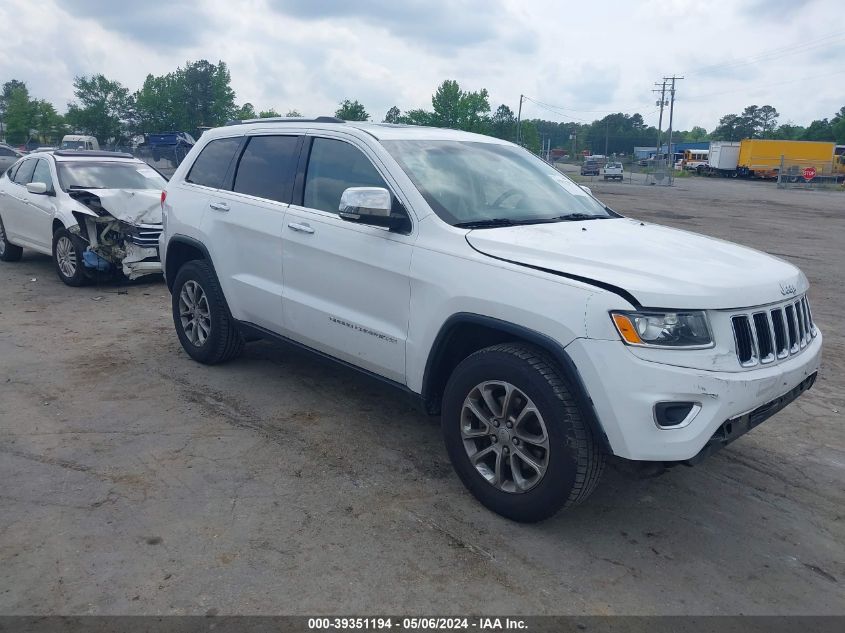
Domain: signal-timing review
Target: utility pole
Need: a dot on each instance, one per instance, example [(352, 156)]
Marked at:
[(519, 122), (661, 103), (671, 112), (574, 137)]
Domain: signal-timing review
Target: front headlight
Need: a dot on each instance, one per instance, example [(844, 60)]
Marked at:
[(689, 329)]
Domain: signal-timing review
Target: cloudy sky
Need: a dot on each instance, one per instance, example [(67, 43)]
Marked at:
[(581, 58)]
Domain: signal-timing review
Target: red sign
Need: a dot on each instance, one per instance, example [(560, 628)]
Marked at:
[(809, 173)]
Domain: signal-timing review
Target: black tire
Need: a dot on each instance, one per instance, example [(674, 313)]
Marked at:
[(574, 460), (8, 252), (74, 274), (223, 341)]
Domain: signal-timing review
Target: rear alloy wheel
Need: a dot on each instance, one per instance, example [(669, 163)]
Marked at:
[(516, 435), (205, 327), (8, 251), (67, 256)]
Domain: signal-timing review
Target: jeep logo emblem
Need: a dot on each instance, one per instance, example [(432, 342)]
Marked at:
[(788, 289)]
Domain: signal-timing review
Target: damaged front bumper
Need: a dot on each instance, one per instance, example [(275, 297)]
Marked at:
[(129, 245), (131, 249)]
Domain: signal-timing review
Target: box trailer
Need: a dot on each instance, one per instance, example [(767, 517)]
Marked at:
[(723, 159), (762, 158)]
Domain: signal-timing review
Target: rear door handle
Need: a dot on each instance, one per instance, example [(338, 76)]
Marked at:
[(219, 206), (301, 228)]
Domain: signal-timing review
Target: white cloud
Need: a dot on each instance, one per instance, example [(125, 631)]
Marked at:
[(585, 58)]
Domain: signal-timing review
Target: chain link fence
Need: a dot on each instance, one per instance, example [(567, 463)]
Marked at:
[(809, 174)]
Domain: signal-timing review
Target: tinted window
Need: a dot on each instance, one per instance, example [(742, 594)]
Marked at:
[(213, 162), (332, 167), (5, 151), (24, 173), (267, 167), (42, 174)]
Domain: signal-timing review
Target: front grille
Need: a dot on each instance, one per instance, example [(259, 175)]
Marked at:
[(145, 236), (765, 336)]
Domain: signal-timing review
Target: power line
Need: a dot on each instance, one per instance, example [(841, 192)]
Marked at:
[(771, 54), (747, 88)]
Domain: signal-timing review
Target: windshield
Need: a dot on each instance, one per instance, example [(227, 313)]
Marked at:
[(467, 182), (108, 175), (73, 144)]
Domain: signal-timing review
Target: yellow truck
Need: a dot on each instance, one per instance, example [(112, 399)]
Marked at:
[(762, 158)]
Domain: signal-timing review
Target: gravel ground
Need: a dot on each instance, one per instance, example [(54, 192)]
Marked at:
[(138, 482)]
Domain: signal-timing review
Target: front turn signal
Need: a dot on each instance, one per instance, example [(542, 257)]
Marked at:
[(626, 329)]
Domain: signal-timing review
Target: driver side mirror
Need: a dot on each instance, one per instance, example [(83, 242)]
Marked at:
[(371, 205), (38, 188)]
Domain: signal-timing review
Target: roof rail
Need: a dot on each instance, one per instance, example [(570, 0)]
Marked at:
[(94, 153), (286, 119)]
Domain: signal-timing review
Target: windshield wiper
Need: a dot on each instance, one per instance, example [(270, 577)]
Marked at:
[(581, 216), (83, 187), (494, 222), (480, 224)]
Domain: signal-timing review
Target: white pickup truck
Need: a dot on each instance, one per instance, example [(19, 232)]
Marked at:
[(613, 171)]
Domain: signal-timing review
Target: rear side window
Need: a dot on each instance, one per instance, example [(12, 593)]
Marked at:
[(11, 171), (24, 173), (333, 167), (213, 162), (267, 167)]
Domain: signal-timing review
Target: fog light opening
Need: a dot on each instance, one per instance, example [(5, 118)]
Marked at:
[(675, 415)]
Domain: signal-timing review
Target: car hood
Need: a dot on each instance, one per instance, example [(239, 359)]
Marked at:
[(659, 266), (133, 206)]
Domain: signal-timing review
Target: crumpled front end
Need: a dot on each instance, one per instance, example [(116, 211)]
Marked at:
[(122, 228)]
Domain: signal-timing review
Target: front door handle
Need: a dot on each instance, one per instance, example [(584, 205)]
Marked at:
[(219, 206), (301, 228)]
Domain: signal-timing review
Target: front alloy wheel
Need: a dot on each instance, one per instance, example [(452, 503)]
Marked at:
[(194, 313), (505, 436)]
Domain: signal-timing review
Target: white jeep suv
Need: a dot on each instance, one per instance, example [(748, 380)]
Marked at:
[(548, 331)]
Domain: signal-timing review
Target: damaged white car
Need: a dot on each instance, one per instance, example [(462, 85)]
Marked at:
[(96, 213)]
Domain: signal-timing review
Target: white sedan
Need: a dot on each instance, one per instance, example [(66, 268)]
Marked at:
[(94, 212)]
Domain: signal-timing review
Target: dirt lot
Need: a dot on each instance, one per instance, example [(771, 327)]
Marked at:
[(136, 481)]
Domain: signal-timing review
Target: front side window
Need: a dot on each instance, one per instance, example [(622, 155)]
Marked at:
[(108, 175), (24, 173), (334, 166), (470, 182), (267, 167), (211, 166), (42, 174)]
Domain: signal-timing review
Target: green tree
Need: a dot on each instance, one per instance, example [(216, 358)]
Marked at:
[(104, 105), (697, 133), (838, 125), (393, 115), (19, 116), (790, 132), (294, 113), (730, 128), (268, 114), (246, 111), (819, 130), (454, 108), (416, 117), (503, 123), (352, 111), (530, 136), (6, 94), (49, 123), (768, 120), (198, 95)]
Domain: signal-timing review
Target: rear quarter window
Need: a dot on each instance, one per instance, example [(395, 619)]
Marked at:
[(212, 165)]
